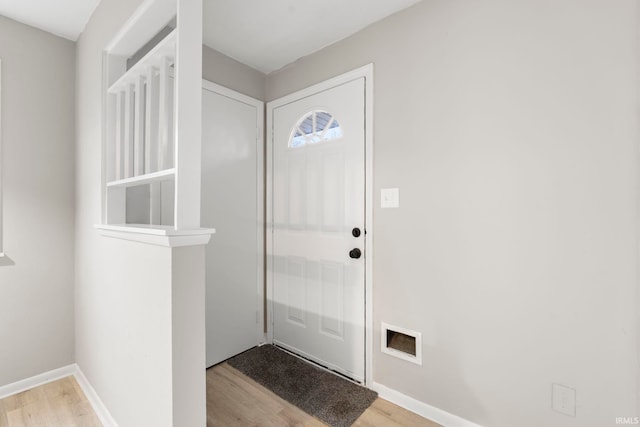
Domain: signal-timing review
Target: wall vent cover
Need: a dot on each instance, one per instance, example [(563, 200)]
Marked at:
[(402, 343)]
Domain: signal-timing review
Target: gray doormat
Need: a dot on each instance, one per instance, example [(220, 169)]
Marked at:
[(326, 396)]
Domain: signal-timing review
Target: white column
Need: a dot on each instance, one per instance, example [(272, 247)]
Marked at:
[(188, 123), (189, 374)]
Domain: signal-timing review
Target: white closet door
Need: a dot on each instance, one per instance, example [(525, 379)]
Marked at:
[(232, 203)]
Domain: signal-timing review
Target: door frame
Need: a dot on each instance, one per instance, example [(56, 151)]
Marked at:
[(365, 72), (260, 182)]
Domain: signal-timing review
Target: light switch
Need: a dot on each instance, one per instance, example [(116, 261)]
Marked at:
[(390, 198)]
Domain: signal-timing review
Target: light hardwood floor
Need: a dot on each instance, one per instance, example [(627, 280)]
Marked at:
[(59, 403), (235, 400)]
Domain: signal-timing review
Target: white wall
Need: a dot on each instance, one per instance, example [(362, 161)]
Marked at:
[(123, 289), (124, 330), (511, 129), (36, 277), (134, 301), (188, 331)]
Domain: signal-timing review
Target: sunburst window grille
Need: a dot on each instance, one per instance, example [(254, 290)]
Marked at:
[(314, 127)]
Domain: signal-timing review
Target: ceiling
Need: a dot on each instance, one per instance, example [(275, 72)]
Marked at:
[(265, 35), (66, 18)]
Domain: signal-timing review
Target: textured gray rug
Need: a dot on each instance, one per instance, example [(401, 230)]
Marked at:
[(332, 399)]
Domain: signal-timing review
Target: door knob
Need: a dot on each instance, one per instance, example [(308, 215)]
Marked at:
[(355, 253), (355, 232)]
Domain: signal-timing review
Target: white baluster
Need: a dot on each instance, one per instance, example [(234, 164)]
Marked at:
[(151, 122), (119, 137), (165, 152), (139, 127), (128, 131)]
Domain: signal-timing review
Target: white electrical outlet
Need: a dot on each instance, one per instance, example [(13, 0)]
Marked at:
[(563, 400), (389, 198)]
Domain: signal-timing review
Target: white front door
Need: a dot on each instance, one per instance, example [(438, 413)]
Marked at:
[(318, 212), (232, 203)]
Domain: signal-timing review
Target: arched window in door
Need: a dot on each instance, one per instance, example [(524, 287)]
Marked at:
[(314, 127)]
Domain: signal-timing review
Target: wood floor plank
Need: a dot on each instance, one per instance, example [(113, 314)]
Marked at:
[(385, 413), (3, 416), (246, 385), (248, 403), (21, 399), (55, 404)]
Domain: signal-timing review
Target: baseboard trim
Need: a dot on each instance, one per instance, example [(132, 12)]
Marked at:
[(99, 408), (66, 371), (437, 415), (36, 380)]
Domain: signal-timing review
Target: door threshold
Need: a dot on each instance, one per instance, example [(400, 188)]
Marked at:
[(324, 368)]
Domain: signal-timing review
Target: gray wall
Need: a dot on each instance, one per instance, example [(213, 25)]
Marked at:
[(511, 129), (232, 74), (36, 277)]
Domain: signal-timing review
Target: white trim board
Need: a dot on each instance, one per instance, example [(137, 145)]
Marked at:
[(365, 72), (96, 403), (37, 380), (432, 413), (156, 235), (70, 370)]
